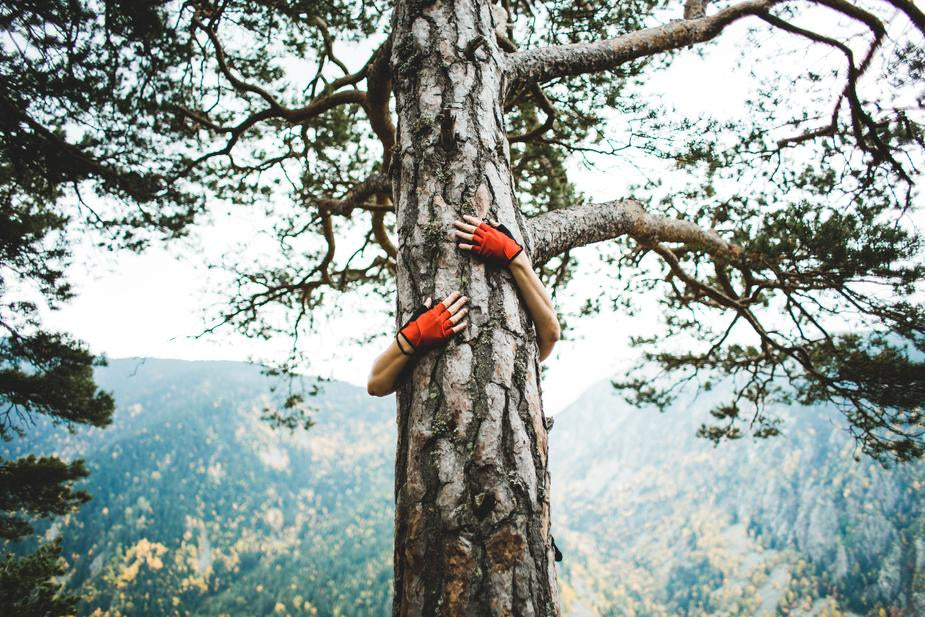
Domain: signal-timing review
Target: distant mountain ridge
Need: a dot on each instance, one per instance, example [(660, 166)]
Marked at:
[(201, 509)]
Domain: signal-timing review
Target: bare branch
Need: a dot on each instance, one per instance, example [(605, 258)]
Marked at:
[(295, 116), (377, 183), (277, 109), (546, 105), (545, 63), (557, 231), (823, 131), (239, 84), (912, 12), (328, 43), (860, 119)]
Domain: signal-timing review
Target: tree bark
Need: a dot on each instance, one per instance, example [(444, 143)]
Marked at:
[(559, 230), (545, 63), (472, 527)]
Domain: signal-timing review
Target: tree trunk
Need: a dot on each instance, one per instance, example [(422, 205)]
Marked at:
[(471, 480)]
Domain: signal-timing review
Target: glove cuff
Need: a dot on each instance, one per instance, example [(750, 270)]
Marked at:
[(407, 342), (411, 333)]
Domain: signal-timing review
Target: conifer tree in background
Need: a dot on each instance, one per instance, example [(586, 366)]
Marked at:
[(42, 373), (781, 246)]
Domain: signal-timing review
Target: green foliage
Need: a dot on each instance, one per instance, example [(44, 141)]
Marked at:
[(27, 587), (32, 244), (42, 375), (823, 303), (39, 487), (292, 414), (49, 373)]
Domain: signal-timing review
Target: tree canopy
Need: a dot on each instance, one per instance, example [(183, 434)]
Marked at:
[(781, 247)]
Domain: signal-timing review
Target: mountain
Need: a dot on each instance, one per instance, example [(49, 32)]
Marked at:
[(200, 508), (655, 521)]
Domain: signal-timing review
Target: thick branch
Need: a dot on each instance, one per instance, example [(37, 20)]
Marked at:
[(557, 231), (545, 63), (915, 15), (379, 87), (377, 183)]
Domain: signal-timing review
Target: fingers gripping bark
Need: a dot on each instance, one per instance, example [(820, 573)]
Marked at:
[(493, 242), (429, 327)]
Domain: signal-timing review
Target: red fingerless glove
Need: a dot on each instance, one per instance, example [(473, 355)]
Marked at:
[(495, 244), (427, 327)]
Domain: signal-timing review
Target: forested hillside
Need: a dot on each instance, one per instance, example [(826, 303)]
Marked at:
[(200, 508), (655, 521)]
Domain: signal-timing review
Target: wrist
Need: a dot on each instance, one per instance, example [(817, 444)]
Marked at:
[(404, 344), (520, 262)]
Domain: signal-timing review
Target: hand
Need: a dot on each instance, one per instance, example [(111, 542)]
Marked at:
[(430, 326), (492, 241)]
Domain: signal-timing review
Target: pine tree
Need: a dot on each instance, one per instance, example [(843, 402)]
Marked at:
[(43, 374), (782, 248)]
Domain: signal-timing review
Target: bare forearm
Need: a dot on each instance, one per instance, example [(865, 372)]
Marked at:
[(539, 304), (386, 370), (428, 326), (494, 242)]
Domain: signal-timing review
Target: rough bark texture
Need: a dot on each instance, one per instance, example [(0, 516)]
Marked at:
[(471, 482), (560, 230), (545, 63)]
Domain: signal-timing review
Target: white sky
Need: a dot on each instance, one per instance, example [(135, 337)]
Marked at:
[(151, 304)]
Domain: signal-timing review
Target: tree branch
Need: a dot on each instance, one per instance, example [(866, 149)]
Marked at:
[(860, 119), (557, 231), (239, 84), (379, 87), (377, 183), (915, 15), (545, 63), (329, 44), (277, 109), (546, 105)]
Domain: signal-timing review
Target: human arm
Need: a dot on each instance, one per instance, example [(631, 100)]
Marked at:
[(425, 329), (493, 242), (539, 304)]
